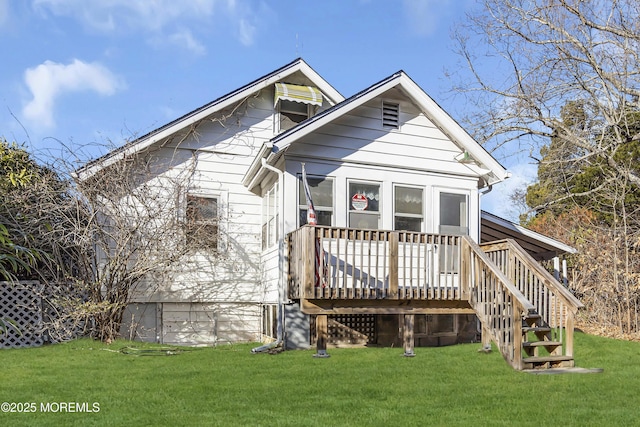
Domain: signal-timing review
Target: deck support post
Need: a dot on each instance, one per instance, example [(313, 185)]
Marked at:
[(322, 333), (407, 335), (486, 340)]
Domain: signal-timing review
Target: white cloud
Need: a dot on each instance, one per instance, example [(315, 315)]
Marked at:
[(49, 80), (158, 19), (185, 39), (423, 16), (247, 32)]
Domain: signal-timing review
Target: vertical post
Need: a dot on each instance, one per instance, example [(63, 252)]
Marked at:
[(309, 254), (322, 332), (486, 339), (516, 330), (407, 336), (511, 262), (393, 265), (465, 270), (568, 351), (556, 268)]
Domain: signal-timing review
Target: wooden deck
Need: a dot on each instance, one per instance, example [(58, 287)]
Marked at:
[(522, 308)]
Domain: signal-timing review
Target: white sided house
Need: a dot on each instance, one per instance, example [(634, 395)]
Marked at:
[(401, 254)]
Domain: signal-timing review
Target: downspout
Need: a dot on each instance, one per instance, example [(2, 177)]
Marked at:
[(487, 190), (482, 192), (281, 277)]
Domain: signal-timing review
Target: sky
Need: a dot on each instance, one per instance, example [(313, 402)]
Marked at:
[(85, 73)]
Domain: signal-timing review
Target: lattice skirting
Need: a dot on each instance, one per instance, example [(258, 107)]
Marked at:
[(21, 302), (354, 328)]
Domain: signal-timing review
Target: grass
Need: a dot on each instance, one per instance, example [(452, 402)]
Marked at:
[(229, 386)]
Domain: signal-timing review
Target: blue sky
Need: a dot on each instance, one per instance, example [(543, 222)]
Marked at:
[(81, 72)]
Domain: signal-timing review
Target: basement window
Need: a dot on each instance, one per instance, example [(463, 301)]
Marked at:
[(390, 115)]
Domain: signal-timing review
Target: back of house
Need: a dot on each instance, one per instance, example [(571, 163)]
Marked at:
[(385, 159)]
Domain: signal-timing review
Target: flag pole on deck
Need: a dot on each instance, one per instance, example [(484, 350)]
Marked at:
[(311, 210), (312, 220)]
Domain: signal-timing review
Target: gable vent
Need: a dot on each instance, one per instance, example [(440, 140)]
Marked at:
[(390, 115)]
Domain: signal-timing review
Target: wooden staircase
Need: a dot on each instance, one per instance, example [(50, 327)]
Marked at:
[(524, 310)]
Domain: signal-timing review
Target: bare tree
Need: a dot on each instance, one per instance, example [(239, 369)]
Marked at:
[(560, 80), (529, 59), (113, 236), (605, 273)]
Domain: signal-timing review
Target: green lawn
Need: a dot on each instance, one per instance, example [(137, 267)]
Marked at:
[(369, 387)]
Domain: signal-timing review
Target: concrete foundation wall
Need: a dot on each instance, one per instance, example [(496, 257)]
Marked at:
[(296, 328)]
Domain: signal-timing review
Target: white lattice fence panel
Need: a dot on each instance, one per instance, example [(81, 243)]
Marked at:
[(21, 303)]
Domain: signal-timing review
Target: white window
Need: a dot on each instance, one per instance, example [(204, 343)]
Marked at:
[(454, 220), (291, 113), (270, 232), (321, 190), (408, 208), (364, 205), (202, 221), (454, 216)]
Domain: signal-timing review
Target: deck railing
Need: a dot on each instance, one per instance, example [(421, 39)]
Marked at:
[(552, 301), (344, 263), (354, 264)]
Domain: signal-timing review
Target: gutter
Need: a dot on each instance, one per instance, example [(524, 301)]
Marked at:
[(251, 176), (281, 248)]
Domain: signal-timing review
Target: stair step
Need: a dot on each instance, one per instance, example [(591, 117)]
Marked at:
[(536, 359), (539, 362), (541, 343), (532, 316), (535, 329)]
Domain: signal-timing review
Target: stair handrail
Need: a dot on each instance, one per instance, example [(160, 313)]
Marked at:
[(501, 319), (562, 322), (551, 282)]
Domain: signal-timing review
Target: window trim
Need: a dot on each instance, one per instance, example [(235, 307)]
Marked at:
[(311, 109), (380, 205), (438, 206), (272, 213), (221, 208), (422, 215)]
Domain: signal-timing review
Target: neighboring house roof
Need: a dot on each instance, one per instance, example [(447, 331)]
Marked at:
[(272, 150), (203, 112), (494, 228)]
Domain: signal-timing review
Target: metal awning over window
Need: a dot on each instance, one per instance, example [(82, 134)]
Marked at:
[(297, 93)]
